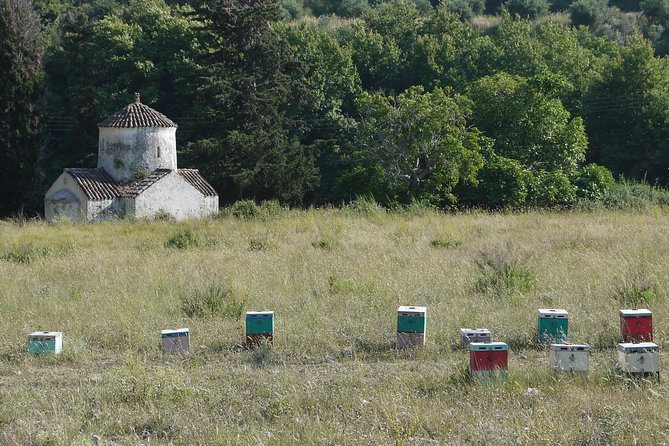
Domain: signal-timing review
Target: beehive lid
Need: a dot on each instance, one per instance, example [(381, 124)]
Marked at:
[(638, 347), (474, 331), (174, 332), (552, 312), (488, 346), (570, 347), (412, 310), (636, 312), (45, 334), (264, 313)]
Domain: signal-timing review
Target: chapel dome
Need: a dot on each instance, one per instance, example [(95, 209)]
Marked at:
[(136, 115)]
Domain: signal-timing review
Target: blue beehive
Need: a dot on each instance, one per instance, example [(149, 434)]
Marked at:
[(45, 342)]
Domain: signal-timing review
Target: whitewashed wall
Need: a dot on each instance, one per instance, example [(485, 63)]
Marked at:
[(173, 195), (122, 152)]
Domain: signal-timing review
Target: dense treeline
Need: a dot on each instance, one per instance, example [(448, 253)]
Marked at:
[(320, 101)]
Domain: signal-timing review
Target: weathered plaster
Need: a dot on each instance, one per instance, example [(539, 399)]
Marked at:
[(125, 152), (74, 210), (174, 196)]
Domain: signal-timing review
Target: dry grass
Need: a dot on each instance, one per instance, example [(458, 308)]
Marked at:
[(334, 280)]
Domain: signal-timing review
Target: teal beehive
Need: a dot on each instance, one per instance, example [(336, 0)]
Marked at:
[(553, 325), (411, 319), (45, 342), (259, 322)]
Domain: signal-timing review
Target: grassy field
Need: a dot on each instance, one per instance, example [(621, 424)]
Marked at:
[(334, 279)]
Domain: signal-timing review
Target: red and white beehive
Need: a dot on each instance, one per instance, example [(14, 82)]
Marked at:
[(636, 325), (488, 360)]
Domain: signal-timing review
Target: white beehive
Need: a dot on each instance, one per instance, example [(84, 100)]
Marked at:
[(640, 358), (570, 357), (176, 340), (469, 335)]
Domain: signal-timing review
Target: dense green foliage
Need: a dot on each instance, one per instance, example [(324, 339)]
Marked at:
[(322, 101), (21, 78)]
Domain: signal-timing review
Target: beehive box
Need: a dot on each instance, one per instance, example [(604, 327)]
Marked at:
[(569, 357), (177, 340), (411, 319), (469, 335), (636, 325), (641, 358), (553, 325), (488, 360), (259, 327), (45, 342)]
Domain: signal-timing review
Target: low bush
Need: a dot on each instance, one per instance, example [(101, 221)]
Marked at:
[(213, 301), (183, 240), (635, 290), (504, 273), (245, 210)]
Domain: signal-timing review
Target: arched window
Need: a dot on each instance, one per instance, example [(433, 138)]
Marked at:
[(158, 150)]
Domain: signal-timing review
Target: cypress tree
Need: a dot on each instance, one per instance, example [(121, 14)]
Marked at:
[(21, 83)]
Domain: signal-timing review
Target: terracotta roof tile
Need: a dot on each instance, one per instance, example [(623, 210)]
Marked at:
[(195, 179), (136, 115), (96, 183), (139, 186)]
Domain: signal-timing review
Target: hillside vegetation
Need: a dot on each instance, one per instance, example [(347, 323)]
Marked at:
[(334, 279), (457, 103)]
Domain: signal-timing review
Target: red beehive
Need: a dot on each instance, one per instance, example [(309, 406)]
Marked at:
[(488, 359), (636, 325)]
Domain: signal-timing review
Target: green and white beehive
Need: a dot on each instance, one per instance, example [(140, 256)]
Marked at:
[(45, 342), (553, 325), (411, 326)]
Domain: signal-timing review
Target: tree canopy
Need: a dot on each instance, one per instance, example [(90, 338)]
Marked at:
[(320, 101)]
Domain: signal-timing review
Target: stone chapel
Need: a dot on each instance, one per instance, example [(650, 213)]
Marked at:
[(137, 174)]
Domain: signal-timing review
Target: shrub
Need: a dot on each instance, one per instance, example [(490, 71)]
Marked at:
[(626, 194), (657, 10), (528, 9), (25, 252), (271, 208), (592, 181), (365, 205), (445, 243), (462, 8), (504, 273), (501, 183), (183, 240), (352, 8), (260, 244), (550, 189), (163, 215), (587, 12), (635, 290), (324, 244), (291, 9), (245, 210), (214, 300)]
